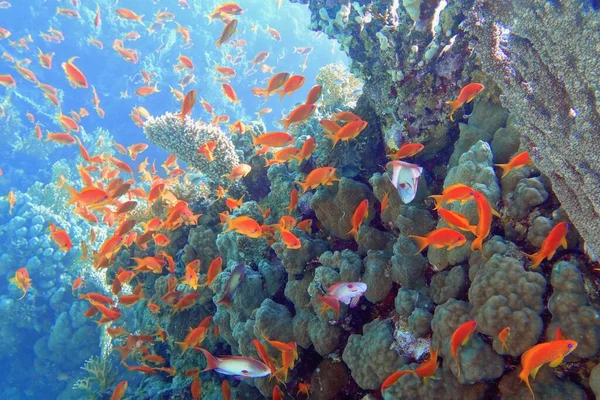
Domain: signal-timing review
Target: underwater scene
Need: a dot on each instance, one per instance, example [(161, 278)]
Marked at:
[(300, 199)]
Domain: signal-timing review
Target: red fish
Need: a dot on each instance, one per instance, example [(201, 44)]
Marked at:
[(503, 337), (438, 238), (60, 237), (518, 161), (21, 280), (406, 150), (466, 95), (556, 238), (461, 336), (314, 94), (230, 93), (299, 114), (360, 214), (188, 103), (74, 74)]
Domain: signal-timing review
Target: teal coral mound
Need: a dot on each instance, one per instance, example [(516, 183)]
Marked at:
[(369, 356)]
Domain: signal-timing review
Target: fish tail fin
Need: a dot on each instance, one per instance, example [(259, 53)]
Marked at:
[(477, 243), (225, 300), (254, 140), (505, 169), (536, 259), (525, 378), (211, 361), (303, 186), (473, 229), (184, 347), (139, 19), (354, 233), (285, 123), (282, 94), (454, 104), (74, 195), (334, 138), (438, 200), (421, 242)]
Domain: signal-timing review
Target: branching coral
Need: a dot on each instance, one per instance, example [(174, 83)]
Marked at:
[(100, 377)]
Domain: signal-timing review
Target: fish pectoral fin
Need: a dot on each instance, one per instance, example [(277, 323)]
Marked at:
[(354, 301), (437, 246), (534, 371), (556, 362), (563, 242)]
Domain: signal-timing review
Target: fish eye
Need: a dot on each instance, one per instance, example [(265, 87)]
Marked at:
[(244, 372), (350, 286), (474, 324), (570, 345)]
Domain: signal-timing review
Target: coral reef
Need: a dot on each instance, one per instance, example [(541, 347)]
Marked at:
[(550, 91), (183, 140)]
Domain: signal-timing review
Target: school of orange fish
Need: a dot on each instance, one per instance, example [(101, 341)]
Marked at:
[(106, 195)]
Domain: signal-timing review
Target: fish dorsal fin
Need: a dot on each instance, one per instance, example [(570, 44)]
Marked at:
[(556, 363), (534, 371)]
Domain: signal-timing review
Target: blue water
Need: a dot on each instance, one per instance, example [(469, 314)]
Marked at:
[(42, 342)]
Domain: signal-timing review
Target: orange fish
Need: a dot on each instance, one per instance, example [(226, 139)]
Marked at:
[(7, 81), (384, 202), (348, 131), (549, 352), (88, 196), (329, 302), (207, 149), (45, 59), (232, 203), (273, 139), (331, 127), (60, 237), (230, 93), (225, 71), (226, 390), (277, 394), (293, 201), (144, 91), (299, 114), (274, 34), (67, 12), (213, 271), (556, 238), (345, 116), (12, 199), (21, 280), (228, 31), (77, 283), (317, 177), (456, 220), (461, 336), (305, 225), (314, 94), (503, 337), (290, 240), (360, 214), (454, 193), (307, 149), (188, 103), (438, 238), (275, 83), (135, 149), (291, 85), (224, 10), (406, 150), (427, 369), (466, 95), (129, 15), (184, 32), (485, 212), (74, 74), (281, 156), (518, 161), (97, 17), (239, 171), (243, 225), (395, 377)]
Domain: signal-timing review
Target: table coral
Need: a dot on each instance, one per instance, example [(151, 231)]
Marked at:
[(183, 140), (369, 356)]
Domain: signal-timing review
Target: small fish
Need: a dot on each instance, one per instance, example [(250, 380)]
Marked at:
[(243, 367), (427, 369), (12, 199), (485, 212), (466, 95), (556, 238), (460, 337), (299, 114), (290, 240), (238, 172), (243, 225), (213, 271), (360, 214), (234, 281), (228, 31), (314, 94), (230, 93), (503, 337), (317, 177), (345, 117), (291, 85), (206, 150), (226, 390), (454, 193), (384, 202), (394, 378), (60, 237), (348, 131), (193, 339), (129, 15), (21, 280), (406, 150), (144, 91), (549, 352), (439, 238), (188, 103), (293, 201), (518, 161), (405, 178), (273, 139), (74, 75), (456, 220)]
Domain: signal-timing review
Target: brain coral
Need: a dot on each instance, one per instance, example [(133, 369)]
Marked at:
[(504, 294), (183, 140)]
